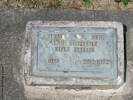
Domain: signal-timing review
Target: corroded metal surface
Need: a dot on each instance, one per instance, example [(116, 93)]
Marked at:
[(85, 53)]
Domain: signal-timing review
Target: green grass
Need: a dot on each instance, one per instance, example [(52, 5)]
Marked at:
[(56, 3), (125, 2), (32, 3), (87, 2), (51, 3), (37, 3)]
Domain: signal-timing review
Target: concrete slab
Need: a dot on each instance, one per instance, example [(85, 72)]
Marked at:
[(12, 33), (1, 83)]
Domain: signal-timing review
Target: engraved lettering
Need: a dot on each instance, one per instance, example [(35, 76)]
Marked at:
[(53, 60), (83, 43), (83, 49), (55, 36), (98, 37), (57, 42), (62, 49), (96, 61)]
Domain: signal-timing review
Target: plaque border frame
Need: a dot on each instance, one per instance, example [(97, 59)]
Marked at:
[(45, 81)]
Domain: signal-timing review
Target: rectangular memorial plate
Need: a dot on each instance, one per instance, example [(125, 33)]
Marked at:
[(74, 53)]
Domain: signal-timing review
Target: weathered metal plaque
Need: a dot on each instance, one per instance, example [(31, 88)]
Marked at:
[(75, 53)]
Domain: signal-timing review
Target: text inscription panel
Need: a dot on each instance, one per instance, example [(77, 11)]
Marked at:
[(90, 52)]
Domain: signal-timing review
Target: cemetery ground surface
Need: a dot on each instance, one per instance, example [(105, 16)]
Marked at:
[(77, 4), (12, 35)]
